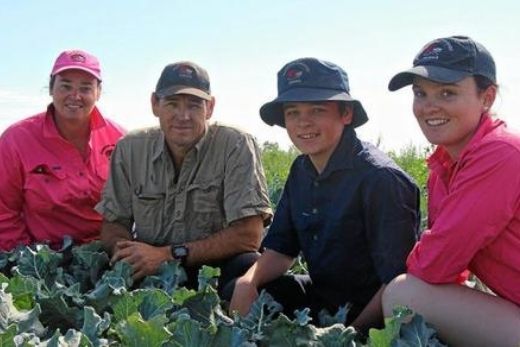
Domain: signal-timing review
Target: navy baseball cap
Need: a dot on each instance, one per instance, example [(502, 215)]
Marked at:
[(184, 77), (310, 79), (448, 60)]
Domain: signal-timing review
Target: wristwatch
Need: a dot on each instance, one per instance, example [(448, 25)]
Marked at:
[(180, 253)]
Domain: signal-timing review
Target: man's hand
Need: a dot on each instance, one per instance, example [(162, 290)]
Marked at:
[(144, 259), (244, 296)]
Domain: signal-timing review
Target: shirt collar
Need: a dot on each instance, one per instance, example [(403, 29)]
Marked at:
[(440, 161), (49, 126)]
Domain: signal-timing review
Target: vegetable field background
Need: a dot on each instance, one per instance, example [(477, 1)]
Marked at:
[(72, 297)]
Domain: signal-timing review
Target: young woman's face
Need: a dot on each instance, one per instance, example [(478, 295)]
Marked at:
[(449, 114)]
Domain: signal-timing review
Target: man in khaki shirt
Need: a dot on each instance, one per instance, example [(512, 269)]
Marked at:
[(186, 190)]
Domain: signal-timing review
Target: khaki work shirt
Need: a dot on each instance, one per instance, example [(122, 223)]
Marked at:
[(221, 180)]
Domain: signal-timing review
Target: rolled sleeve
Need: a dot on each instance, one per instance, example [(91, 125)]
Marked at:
[(245, 191)]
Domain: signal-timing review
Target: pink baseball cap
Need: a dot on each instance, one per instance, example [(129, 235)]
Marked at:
[(77, 59)]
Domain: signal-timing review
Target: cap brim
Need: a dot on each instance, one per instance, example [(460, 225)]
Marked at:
[(272, 112), (429, 72), (75, 67), (176, 90)]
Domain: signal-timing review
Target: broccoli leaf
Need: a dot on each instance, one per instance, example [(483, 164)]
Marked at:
[(340, 317), (127, 304), (22, 288), (208, 277), (260, 315), (337, 335), (417, 333), (25, 320), (187, 332), (136, 332), (41, 264), (7, 336), (88, 262), (114, 282), (155, 302), (169, 275), (94, 325), (283, 332)]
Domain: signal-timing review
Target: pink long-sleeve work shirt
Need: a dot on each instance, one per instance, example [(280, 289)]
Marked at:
[(47, 189), (474, 213)]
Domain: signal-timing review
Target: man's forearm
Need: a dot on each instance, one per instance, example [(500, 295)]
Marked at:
[(111, 233), (241, 236)]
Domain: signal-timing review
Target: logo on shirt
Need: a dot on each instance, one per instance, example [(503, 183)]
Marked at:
[(107, 150)]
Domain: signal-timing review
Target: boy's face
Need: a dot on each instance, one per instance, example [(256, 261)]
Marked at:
[(315, 127)]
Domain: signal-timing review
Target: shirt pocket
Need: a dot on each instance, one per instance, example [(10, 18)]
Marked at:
[(204, 209), (147, 210), (46, 189)]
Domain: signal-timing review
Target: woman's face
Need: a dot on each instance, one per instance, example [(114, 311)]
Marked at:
[(74, 94), (449, 114)]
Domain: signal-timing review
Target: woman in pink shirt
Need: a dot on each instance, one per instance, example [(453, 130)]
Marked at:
[(53, 165), (474, 200)]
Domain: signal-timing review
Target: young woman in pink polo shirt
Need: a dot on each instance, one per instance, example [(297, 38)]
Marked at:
[(474, 200), (53, 165)]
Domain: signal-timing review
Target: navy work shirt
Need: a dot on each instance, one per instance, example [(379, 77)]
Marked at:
[(355, 223)]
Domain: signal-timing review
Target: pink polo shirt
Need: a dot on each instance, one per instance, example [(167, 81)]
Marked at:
[(474, 214), (47, 190)]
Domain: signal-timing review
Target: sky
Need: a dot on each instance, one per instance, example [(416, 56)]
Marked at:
[(243, 44)]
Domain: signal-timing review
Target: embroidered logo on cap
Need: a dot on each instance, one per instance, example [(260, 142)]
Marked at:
[(77, 58), (431, 52), (434, 50), (186, 71), (294, 73)]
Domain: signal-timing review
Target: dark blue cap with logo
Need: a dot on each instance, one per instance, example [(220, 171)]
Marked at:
[(307, 80), (448, 60), (184, 77)]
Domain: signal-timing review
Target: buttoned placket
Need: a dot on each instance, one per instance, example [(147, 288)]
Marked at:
[(314, 206)]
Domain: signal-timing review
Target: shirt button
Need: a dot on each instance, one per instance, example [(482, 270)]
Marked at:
[(316, 183), (177, 213), (314, 211), (315, 237)]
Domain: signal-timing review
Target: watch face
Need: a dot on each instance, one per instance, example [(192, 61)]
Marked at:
[(180, 252)]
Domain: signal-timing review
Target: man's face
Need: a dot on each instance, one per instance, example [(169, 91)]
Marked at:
[(183, 119), (315, 128)]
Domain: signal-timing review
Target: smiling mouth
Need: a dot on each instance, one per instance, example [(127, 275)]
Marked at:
[(436, 122), (74, 107), (308, 136)]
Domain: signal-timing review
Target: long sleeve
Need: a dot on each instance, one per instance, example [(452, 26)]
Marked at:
[(13, 230)]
